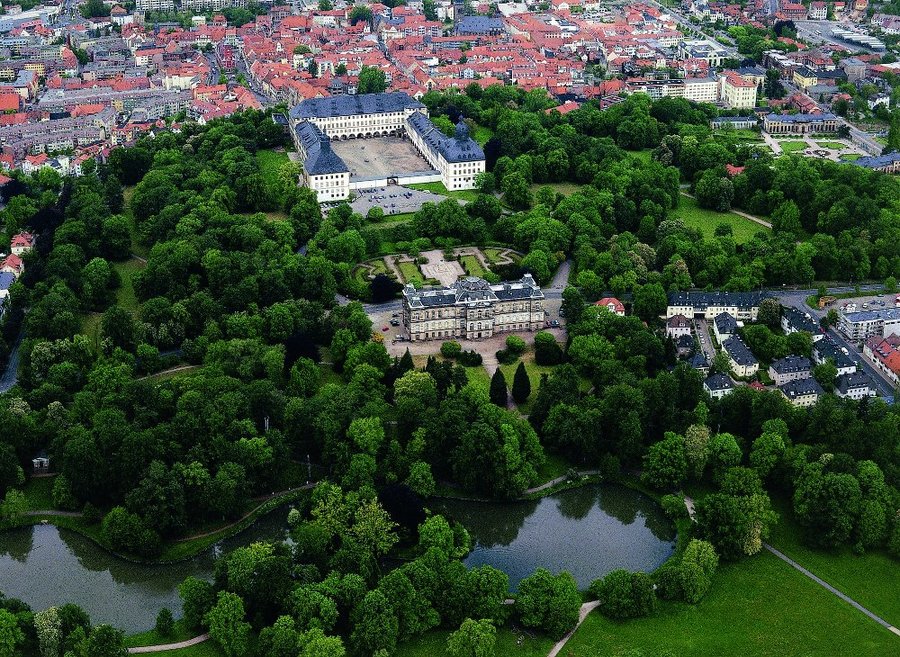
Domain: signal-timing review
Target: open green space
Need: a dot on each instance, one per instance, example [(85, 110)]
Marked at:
[(481, 134), (270, 162), (39, 493), (836, 145), (850, 157), (154, 638), (644, 155), (739, 135), (438, 188), (793, 146), (563, 188), (534, 372), (509, 643), (472, 265), (872, 579), (410, 273), (125, 295), (90, 326), (706, 221), (759, 606), (478, 379), (378, 266)]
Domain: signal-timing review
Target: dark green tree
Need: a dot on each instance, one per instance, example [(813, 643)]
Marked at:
[(498, 393), (521, 388)]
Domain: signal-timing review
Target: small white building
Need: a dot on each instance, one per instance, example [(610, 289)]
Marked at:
[(718, 385)]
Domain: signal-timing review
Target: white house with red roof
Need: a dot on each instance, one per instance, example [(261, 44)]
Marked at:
[(21, 243), (12, 264), (613, 305)]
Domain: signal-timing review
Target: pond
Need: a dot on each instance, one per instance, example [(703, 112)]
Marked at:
[(46, 566), (588, 531)]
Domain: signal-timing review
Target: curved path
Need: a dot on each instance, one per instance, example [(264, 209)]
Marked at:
[(54, 512), (829, 587), (163, 647), (586, 608), (558, 480)]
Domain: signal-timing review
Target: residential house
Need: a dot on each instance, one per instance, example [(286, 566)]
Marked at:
[(613, 305), (6, 281), (802, 392), (699, 362), (724, 326), (742, 361), (684, 345), (854, 386), (21, 243), (885, 355), (742, 306), (790, 368), (718, 385), (12, 264), (828, 349), (795, 321), (678, 326)]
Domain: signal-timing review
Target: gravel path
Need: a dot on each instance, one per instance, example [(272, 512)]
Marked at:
[(168, 646), (586, 608), (558, 480)]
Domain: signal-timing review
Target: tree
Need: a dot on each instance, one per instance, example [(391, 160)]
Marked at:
[(375, 626), (546, 349), (197, 598), (650, 301), (786, 218), (474, 638), (696, 449), (371, 80), (280, 639), (105, 641), (48, 626), (11, 635), (548, 602), (165, 622), (14, 505), (521, 388), (516, 191), (430, 10), (623, 594), (714, 191), (227, 626), (772, 85), (665, 465), (827, 504), (314, 643), (698, 565), (825, 373), (498, 392), (770, 312)]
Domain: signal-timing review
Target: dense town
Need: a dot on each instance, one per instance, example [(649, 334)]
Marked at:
[(443, 327)]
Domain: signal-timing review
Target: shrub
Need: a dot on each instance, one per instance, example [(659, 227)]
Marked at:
[(451, 349), (165, 623), (546, 350), (470, 358), (623, 594), (668, 581), (609, 467), (515, 344), (91, 514), (674, 506), (63, 498), (506, 357)]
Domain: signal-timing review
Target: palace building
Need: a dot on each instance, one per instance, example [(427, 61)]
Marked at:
[(472, 308), (455, 161)]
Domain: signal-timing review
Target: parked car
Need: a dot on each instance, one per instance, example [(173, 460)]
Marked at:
[(554, 323), (395, 322)]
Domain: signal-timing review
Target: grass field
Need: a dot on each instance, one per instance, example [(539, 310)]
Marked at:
[(793, 146), (560, 188), (125, 295), (472, 265), (873, 579), (481, 134), (534, 372), (837, 145), (850, 157), (760, 606), (39, 493), (438, 188), (434, 644), (694, 216), (478, 379), (642, 155), (492, 254), (154, 638), (90, 326), (410, 273)]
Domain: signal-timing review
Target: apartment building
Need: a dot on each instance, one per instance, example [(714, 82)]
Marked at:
[(735, 91)]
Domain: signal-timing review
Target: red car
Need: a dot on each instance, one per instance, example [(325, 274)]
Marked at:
[(385, 328)]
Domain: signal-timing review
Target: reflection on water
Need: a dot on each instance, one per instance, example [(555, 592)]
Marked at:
[(46, 566), (588, 531)]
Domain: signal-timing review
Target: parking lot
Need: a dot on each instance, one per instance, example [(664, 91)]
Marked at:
[(393, 199), (862, 303)]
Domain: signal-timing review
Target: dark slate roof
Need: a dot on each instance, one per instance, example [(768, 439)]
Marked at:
[(478, 25), (738, 351), (725, 324), (801, 387), (6, 279), (698, 361), (800, 118), (800, 321), (719, 382), (877, 161), (705, 299), (472, 290), (459, 148), (854, 381), (684, 342), (394, 101), (791, 364), (828, 348), (320, 158)]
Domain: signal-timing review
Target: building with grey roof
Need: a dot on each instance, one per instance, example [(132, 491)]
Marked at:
[(790, 368), (360, 115), (861, 325), (802, 392), (888, 163), (743, 306), (718, 385), (743, 362), (324, 171), (800, 124), (796, 321), (472, 309), (459, 158), (854, 386), (479, 25), (827, 349)]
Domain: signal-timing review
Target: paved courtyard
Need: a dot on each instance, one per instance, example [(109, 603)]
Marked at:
[(440, 269), (379, 157)]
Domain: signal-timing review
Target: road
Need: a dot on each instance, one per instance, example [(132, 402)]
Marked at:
[(683, 22), (10, 377)]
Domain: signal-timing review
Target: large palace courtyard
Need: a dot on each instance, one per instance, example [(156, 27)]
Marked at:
[(379, 157)]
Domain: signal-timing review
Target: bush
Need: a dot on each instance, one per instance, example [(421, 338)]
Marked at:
[(91, 514), (515, 344), (470, 358), (451, 349), (674, 506), (63, 498), (546, 350), (506, 357), (127, 532), (623, 594), (698, 565), (668, 581), (609, 467)]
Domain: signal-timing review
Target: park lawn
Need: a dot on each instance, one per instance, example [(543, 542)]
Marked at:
[(472, 265), (644, 155), (555, 465), (481, 134), (836, 145), (270, 163), (125, 295), (564, 188), (90, 326), (136, 248), (534, 372), (740, 135), (329, 375), (410, 273), (759, 606), (872, 579), (793, 146), (438, 188), (39, 493), (478, 379), (850, 157), (154, 638), (434, 644), (706, 221)]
